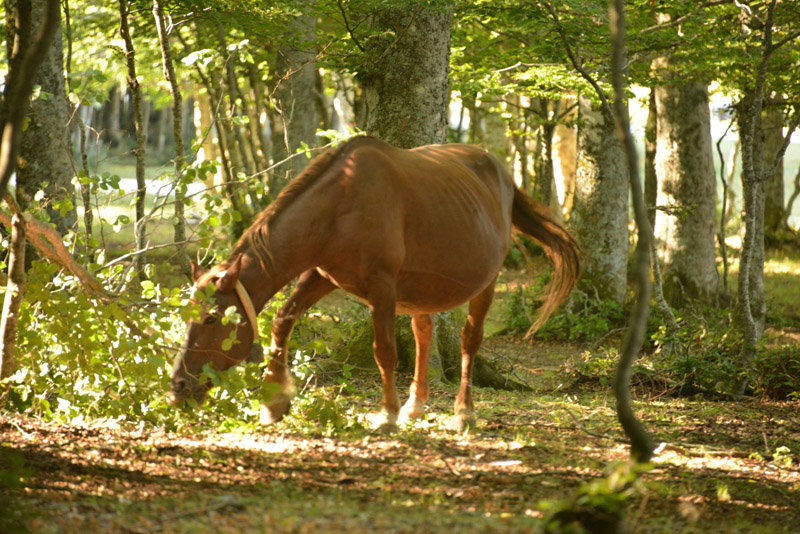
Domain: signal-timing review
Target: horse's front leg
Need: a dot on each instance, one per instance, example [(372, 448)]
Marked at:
[(311, 287), (382, 304)]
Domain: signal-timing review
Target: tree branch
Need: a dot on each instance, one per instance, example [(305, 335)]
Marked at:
[(49, 243), (577, 64)]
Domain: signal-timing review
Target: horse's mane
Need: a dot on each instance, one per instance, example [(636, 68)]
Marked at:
[(256, 238)]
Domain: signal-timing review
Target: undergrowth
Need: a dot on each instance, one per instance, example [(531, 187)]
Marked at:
[(701, 357)]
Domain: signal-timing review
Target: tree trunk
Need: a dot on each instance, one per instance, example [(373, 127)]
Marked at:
[(407, 97), (407, 89), (179, 225), (15, 291), (231, 186), (234, 110), (295, 122), (565, 154), (45, 157), (206, 133), (687, 187), (141, 138), (650, 175), (258, 120), (493, 132), (599, 215), (112, 117), (752, 262), (772, 126)]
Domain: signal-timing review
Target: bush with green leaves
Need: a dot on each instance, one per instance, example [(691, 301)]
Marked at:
[(83, 358), (777, 372), (582, 317)]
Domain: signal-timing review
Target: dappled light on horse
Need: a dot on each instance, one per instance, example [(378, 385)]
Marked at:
[(406, 231)]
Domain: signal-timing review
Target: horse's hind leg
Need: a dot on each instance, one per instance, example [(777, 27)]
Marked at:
[(311, 287), (414, 408), (471, 338)]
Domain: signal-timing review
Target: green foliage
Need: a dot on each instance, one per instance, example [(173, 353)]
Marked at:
[(12, 470), (591, 366), (777, 372), (599, 505), (584, 317)]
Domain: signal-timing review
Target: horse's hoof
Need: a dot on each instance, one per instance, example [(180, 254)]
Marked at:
[(462, 422), (386, 428), (274, 410), (384, 423), (411, 412)]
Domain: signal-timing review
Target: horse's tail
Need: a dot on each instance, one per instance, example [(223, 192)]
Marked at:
[(533, 219)]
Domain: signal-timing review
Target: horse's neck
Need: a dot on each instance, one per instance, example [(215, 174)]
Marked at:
[(293, 247)]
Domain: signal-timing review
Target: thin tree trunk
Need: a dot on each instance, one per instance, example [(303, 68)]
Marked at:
[(231, 187), (233, 94), (752, 306), (641, 443), (179, 227), (140, 227), (113, 115), (565, 146), (88, 216), (792, 198), (650, 176), (725, 294), (772, 125), (259, 114), (15, 292)]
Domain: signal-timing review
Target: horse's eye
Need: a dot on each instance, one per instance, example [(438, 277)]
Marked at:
[(210, 319)]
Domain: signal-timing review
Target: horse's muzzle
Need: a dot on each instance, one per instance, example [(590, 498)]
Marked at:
[(179, 392)]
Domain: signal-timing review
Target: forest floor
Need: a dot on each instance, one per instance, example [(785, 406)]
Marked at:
[(724, 467)]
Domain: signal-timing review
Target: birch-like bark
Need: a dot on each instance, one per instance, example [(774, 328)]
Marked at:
[(752, 305)]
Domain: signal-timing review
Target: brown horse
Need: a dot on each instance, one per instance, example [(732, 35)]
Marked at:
[(406, 231)]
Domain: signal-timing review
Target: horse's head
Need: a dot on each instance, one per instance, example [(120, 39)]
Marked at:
[(209, 339)]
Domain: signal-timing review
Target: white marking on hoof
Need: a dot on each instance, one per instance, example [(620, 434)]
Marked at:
[(462, 421), (384, 422), (412, 410), (275, 409)]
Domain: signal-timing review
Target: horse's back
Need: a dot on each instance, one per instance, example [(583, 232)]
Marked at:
[(439, 216)]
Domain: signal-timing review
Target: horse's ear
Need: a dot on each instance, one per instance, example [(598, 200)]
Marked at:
[(197, 271), (227, 282)]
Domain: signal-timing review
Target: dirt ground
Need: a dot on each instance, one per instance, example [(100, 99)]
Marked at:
[(724, 467)]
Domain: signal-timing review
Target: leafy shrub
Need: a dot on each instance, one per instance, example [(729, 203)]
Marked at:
[(777, 372), (583, 317), (590, 366)]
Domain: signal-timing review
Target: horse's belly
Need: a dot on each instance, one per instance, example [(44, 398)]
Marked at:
[(423, 292)]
